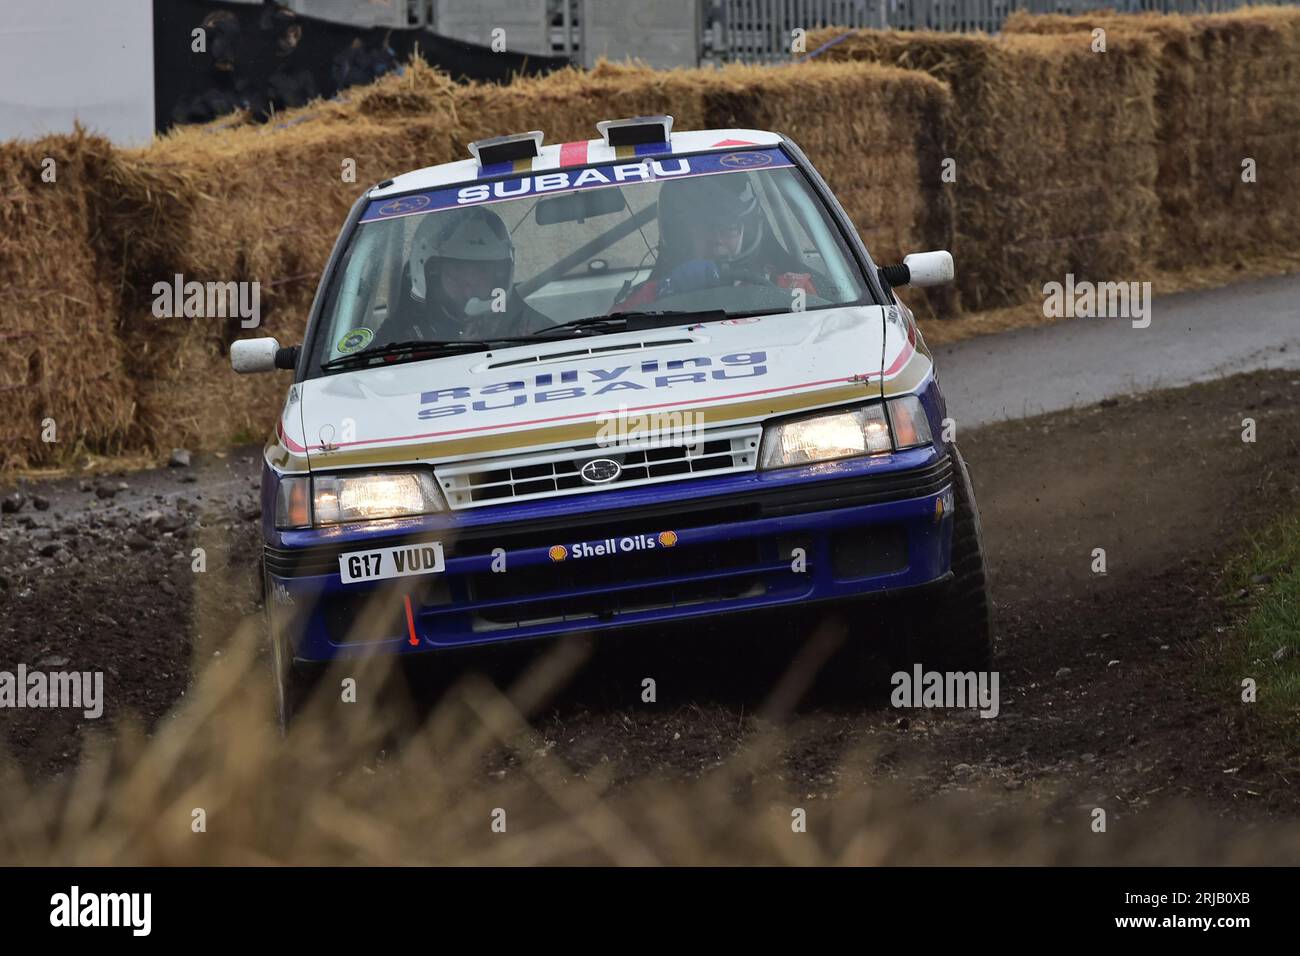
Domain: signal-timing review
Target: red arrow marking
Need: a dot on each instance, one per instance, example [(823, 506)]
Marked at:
[(410, 621)]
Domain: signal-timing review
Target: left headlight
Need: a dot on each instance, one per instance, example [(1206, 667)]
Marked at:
[(367, 497), (856, 431)]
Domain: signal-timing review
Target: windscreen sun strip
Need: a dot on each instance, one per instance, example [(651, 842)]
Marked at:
[(562, 181)]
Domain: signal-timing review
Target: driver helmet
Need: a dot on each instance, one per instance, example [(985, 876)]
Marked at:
[(707, 212), (450, 247)]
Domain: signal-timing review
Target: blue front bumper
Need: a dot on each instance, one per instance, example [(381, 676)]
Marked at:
[(719, 545)]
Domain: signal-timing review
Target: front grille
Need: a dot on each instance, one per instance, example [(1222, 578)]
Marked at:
[(548, 474)]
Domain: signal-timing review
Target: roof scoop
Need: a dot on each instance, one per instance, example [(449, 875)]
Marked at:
[(636, 131), (507, 149)]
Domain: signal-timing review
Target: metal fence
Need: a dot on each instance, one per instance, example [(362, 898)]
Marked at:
[(763, 31)]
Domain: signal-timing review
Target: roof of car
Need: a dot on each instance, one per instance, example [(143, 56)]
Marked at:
[(580, 153)]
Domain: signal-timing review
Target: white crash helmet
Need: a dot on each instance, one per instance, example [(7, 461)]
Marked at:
[(475, 234), (687, 206)]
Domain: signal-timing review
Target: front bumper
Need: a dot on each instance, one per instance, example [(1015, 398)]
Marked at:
[(658, 554)]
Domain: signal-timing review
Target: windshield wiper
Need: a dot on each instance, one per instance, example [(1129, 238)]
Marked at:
[(634, 321), (407, 349)]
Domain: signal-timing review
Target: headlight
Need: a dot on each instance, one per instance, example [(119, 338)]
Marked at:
[(335, 499), (857, 431), (339, 498)]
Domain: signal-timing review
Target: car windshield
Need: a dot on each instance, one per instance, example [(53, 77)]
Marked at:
[(738, 232)]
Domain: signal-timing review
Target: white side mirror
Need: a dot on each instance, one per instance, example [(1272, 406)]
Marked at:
[(253, 355), (929, 268)]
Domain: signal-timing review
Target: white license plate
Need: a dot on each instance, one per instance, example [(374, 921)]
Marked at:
[(402, 561)]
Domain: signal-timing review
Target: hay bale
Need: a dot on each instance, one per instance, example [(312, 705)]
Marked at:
[(862, 126), (876, 134), (231, 201), (264, 204), (1227, 90), (60, 356), (1054, 153), (269, 201)]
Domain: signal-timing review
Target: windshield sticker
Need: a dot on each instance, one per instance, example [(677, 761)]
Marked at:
[(572, 180), (756, 160), (354, 340)]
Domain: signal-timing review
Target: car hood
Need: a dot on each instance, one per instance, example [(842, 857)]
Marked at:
[(559, 392)]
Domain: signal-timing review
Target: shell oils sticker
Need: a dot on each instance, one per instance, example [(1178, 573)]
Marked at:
[(606, 547), (354, 340), (942, 506)]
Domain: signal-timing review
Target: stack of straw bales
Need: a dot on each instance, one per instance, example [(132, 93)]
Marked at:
[(1061, 160), (265, 203), (1227, 90), (1052, 148)]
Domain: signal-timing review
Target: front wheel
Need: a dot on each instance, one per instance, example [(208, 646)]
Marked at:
[(955, 631), (294, 681)]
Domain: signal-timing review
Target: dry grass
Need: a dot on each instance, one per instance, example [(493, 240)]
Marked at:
[(363, 784)]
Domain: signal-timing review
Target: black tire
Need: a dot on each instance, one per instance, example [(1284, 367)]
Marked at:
[(293, 681), (954, 631)]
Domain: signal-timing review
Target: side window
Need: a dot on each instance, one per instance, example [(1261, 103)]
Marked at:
[(819, 244), (781, 222), (365, 296), (791, 229)]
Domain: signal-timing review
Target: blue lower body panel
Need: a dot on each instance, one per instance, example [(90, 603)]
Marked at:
[(645, 556)]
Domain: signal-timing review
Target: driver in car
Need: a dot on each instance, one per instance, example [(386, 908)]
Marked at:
[(711, 234), (461, 282)]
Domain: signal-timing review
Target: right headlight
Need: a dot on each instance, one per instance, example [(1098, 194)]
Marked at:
[(341, 498), (865, 430), (801, 441)]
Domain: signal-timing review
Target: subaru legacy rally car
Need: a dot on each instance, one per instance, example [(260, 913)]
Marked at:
[(635, 380)]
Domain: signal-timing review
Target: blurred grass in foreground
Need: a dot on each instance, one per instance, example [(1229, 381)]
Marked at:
[(374, 784)]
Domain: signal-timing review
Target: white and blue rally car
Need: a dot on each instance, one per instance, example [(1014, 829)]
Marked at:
[(635, 380)]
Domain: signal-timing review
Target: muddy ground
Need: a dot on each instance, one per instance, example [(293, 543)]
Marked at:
[(1111, 693)]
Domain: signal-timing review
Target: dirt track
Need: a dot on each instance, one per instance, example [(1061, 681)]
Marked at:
[(1107, 697)]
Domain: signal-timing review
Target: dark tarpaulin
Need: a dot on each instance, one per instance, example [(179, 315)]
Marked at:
[(266, 58)]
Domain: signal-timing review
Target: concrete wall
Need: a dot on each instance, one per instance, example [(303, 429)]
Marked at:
[(524, 23), (357, 13), (662, 33)]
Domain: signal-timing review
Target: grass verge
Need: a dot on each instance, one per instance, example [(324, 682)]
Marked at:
[(1266, 579)]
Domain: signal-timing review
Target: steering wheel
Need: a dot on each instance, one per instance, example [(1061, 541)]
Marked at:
[(731, 274)]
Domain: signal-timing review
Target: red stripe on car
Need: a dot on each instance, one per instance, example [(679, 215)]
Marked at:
[(573, 154)]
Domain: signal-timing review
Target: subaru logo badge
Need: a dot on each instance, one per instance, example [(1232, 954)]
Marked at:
[(600, 471)]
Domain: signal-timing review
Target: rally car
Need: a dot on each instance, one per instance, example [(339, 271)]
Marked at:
[(636, 380)]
